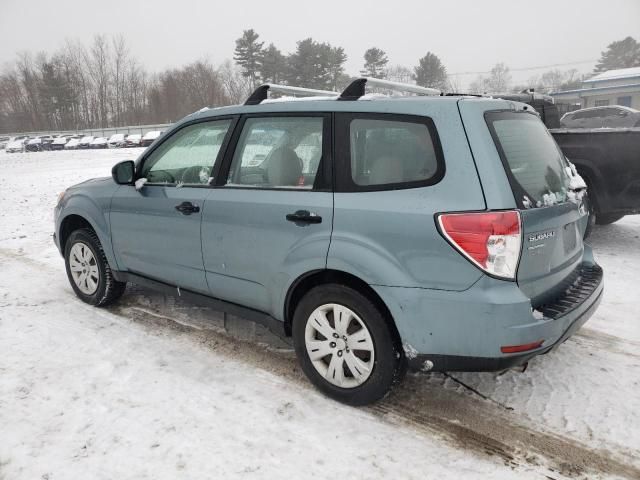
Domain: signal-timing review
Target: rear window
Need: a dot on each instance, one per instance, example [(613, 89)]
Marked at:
[(533, 160)]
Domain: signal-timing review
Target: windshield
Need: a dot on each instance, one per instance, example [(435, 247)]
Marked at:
[(533, 159)]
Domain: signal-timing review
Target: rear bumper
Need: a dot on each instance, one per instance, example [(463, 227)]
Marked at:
[(465, 330), (457, 363)]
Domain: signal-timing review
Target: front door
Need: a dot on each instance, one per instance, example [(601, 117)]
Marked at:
[(270, 220), (156, 229)]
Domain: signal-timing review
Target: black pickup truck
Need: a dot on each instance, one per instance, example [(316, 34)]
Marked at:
[(607, 158)]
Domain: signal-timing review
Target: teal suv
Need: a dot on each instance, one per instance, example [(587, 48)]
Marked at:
[(381, 233)]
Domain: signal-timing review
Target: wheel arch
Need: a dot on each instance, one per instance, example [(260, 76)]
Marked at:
[(71, 223), (76, 219), (309, 280)]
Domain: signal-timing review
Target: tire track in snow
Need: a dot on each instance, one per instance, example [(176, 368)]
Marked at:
[(464, 420)]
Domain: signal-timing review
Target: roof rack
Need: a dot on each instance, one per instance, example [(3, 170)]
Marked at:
[(355, 89), (261, 93)]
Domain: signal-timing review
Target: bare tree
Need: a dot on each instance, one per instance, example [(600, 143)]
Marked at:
[(236, 86), (98, 62), (119, 64), (29, 85), (400, 73)]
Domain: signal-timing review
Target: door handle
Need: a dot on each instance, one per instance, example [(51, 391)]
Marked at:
[(187, 208), (304, 216)]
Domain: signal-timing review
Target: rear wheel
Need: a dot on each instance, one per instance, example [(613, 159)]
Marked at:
[(607, 218), (345, 345), (88, 270)]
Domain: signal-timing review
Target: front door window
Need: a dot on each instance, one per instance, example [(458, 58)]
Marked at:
[(187, 158)]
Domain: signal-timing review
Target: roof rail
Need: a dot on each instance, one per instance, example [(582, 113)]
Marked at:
[(355, 89), (261, 93)]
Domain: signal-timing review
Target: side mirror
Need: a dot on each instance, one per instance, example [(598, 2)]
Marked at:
[(122, 172)]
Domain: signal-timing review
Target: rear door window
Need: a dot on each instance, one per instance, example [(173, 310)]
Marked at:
[(534, 162), (279, 152)]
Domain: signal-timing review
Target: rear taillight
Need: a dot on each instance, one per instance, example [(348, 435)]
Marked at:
[(491, 240)]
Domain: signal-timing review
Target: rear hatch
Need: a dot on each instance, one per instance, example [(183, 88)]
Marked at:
[(552, 214)]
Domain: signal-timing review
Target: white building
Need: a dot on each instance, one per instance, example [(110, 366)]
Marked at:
[(613, 87)]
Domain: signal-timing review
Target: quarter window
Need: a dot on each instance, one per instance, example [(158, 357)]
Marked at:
[(392, 152), (278, 152), (188, 156)]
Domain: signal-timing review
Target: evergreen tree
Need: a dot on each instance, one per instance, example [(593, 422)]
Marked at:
[(248, 54), (375, 61), (273, 65), (313, 65), (430, 72), (621, 54), (336, 61)]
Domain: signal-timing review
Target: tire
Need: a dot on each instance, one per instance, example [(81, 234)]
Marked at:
[(591, 220), (84, 250), (379, 357), (607, 218)]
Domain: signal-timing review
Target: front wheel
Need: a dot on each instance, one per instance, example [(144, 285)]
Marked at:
[(345, 345), (88, 270)]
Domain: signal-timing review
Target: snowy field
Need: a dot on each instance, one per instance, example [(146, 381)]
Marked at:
[(158, 389)]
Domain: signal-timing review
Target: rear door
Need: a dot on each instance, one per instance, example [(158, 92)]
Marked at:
[(156, 229), (551, 213), (269, 220)]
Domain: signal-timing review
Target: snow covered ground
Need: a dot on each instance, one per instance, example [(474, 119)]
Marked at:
[(156, 388)]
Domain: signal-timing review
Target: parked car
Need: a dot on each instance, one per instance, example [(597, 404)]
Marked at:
[(606, 158), (149, 137), (117, 140), (85, 142), (601, 117), (33, 144), (60, 142), (15, 145), (72, 144), (4, 141), (99, 142), (133, 140), (46, 141), (370, 233)]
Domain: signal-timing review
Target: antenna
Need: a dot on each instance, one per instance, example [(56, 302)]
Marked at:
[(355, 89), (261, 93)]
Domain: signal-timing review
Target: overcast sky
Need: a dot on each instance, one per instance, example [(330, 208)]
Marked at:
[(469, 36)]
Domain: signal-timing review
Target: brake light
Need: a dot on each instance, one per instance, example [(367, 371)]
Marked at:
[(490, 240)]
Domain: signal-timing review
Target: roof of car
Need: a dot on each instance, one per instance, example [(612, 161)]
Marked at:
[(409, 105), (621, 107)]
